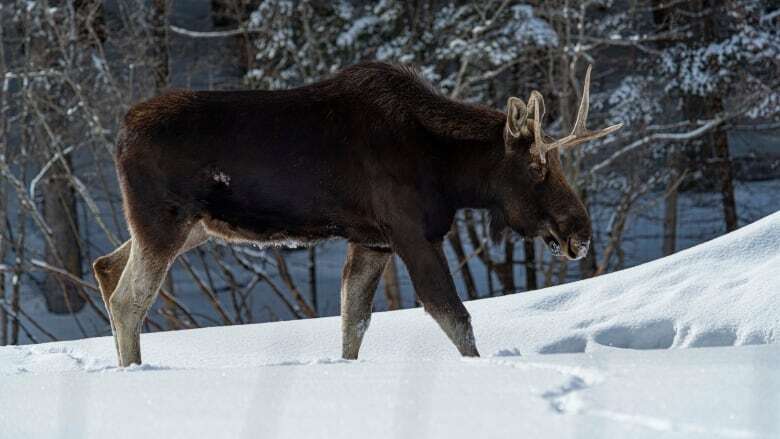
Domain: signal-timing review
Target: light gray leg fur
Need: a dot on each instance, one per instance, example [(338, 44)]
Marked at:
[(359, 280), (136, 291), (110, 269)]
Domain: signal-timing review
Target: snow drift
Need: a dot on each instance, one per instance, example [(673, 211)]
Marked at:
[(229, 381)]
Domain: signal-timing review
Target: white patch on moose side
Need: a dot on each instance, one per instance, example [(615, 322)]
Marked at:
[(221, 177)]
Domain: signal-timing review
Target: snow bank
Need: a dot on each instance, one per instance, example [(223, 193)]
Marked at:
[(285, 379), (722, 293)]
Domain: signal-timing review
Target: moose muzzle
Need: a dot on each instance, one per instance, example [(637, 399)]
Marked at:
[(571, 248)]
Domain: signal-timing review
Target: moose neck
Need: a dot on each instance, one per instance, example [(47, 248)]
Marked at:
[(474, 170), (471, 137)]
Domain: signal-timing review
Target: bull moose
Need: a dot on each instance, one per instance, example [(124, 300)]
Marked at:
[(374, 155)]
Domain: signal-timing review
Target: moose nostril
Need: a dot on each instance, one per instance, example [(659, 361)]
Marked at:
[(579, 248), (571, 249)]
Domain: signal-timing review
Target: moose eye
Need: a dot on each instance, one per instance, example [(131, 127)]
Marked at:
[(538, 171)]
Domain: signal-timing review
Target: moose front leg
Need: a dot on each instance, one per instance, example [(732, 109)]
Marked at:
[(435, 288), (359, 280)]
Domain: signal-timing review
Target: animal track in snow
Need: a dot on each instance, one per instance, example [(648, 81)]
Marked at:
[(313, 362), (758, 337), (559, 302), (724, 336), (732, 284), (715, 337), (55, 359), (654, 334), (565, 398), (587, 323), (566, 345), (512, 352), (651, 334)]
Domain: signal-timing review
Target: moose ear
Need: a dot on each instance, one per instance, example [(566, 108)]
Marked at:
[(516, 116)]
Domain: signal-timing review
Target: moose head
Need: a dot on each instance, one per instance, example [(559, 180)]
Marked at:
[(535, 196)]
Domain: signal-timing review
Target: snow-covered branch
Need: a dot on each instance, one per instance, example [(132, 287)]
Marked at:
[(657, 136), (213, 34)]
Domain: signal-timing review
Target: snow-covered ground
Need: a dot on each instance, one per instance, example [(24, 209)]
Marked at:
[(621, 366)]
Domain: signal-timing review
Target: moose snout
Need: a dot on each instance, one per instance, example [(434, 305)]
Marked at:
[(577, 248), (571, 247)]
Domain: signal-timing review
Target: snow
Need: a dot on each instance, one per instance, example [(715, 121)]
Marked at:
[(358, 26), (620, 366), (533, 29)]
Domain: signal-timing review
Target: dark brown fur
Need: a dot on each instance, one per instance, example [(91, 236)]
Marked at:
[(373, 155)]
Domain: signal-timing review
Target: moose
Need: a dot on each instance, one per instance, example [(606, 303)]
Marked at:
[(374, 155)]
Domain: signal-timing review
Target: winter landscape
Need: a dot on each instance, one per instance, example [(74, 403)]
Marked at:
[(667, 327), (678, 347)]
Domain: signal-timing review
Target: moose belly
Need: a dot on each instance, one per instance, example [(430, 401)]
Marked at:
[(269, 207), (293, 236)]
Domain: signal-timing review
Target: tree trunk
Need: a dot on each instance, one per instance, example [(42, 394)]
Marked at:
[(506, 270), (727, 181), (465, 271), (3, 315), (669, 245), (16, 279), (3, 304), (313, 277), (720, 143), (477, 244), (15, 293), (392, 288), (159, 49), (231, 14), (59, 210), (171, 311), (663, 19), (530, 265), (3, 212)]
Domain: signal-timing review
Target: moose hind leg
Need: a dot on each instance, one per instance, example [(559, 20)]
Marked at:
[(132, 298), (137, 289), (359, 280), (108, 269)]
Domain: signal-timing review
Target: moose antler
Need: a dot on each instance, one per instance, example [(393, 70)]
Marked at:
[(579, 134)]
